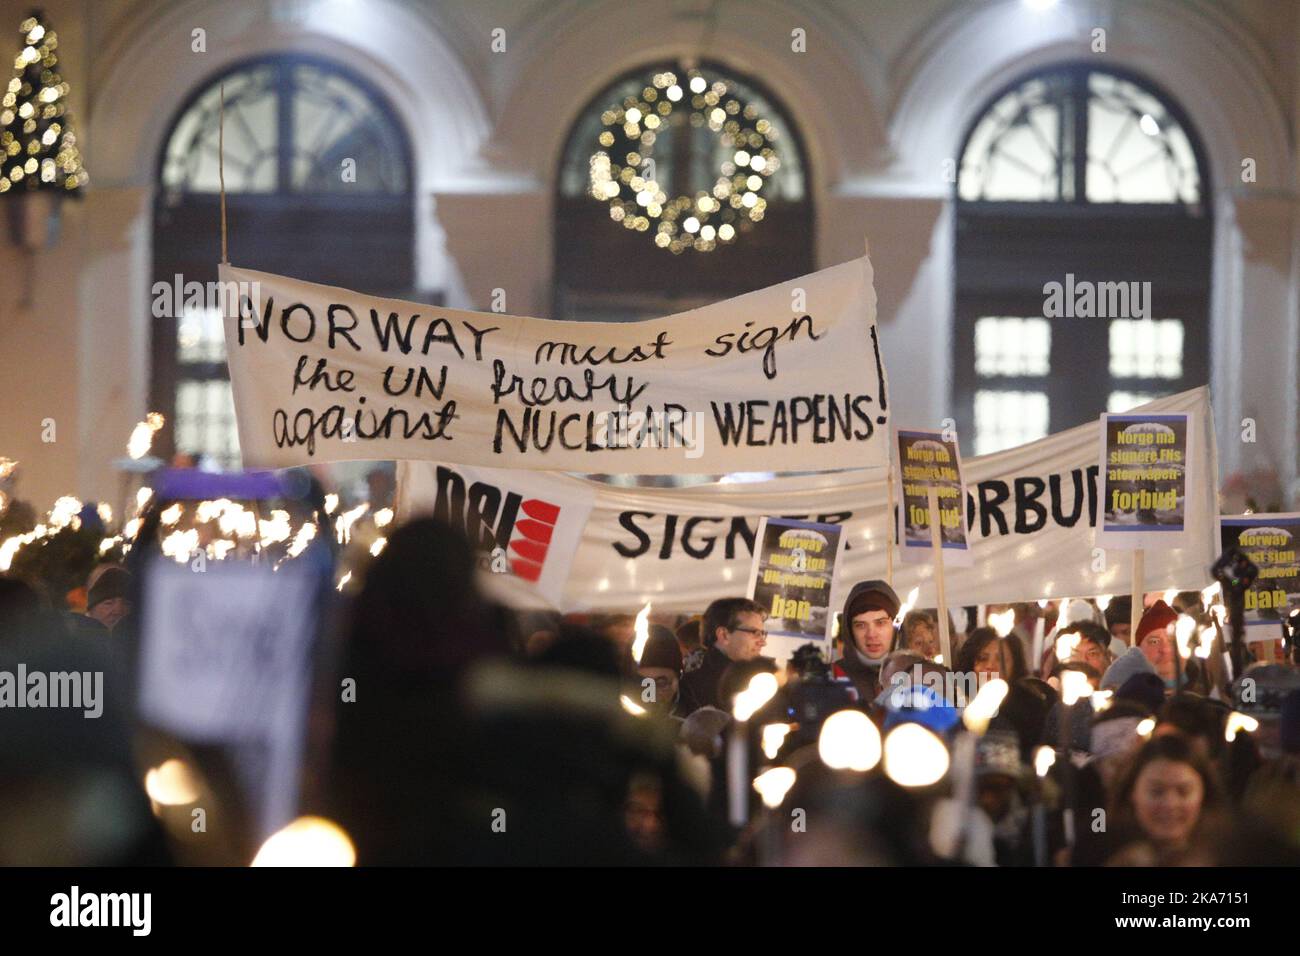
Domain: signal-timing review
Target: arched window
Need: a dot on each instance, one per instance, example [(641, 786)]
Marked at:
[(1083, 255), (318, 186), (678, 186)]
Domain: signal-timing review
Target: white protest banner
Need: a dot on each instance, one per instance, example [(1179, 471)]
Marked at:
[(1030, 514), (790, 373)]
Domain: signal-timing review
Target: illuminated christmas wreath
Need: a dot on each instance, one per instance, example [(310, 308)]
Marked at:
[(623, 169)]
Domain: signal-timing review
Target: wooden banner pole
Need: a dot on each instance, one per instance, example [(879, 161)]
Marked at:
[(221, 170), (891, 526), (891, 521), (936, 549), (1139, 592)]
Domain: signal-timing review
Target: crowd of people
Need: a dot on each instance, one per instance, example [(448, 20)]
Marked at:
[(467, 733)]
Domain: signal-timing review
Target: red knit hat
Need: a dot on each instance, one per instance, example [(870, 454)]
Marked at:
[(1156, 618)]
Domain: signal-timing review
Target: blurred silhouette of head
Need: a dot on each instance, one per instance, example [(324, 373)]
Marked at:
[(20, 608), (419, 611), (584, 649)]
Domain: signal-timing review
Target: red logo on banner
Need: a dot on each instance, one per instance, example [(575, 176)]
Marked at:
[(491, 519), (532, 538)]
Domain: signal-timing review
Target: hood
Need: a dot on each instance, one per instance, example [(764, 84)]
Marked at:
[(879, 593), (1132, 662)]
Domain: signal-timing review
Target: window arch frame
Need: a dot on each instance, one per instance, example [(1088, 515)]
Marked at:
[(1077, 69), (284, 62), (1005, 250), (694, 273), (195, 216)]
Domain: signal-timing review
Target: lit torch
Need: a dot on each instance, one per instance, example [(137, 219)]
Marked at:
[(142, 436), (906, 607), (642, 633), (1003, 622)]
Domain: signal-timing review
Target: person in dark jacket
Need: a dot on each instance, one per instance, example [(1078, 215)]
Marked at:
[(732, 631), (661, 665), (109, 599), (452, 753), (986, 653), (867, 630)]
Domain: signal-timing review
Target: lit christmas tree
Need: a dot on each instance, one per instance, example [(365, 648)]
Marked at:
[(38, 149)]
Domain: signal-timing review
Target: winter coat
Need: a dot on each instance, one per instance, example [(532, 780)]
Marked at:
[(699, 688)]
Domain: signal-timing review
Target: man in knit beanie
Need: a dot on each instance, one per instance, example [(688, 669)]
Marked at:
[(1156, 641), (660, 664), (867, 632), (109, 599)]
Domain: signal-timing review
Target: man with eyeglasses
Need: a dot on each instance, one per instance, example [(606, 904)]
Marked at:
[(733, 631)]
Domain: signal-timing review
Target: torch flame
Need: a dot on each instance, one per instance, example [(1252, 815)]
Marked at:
[(1183, 632), (1003, 622), (1065, 646), (907, 605), (308, 841), (914, 756), (984, 706), (1044, 757), (343, 526), (762, 688), (772, 785), (642, 633), (172, 783), (773, 737), (142, 436), (65, 513), (1074, 687), (1238, 721), (849, 741)]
